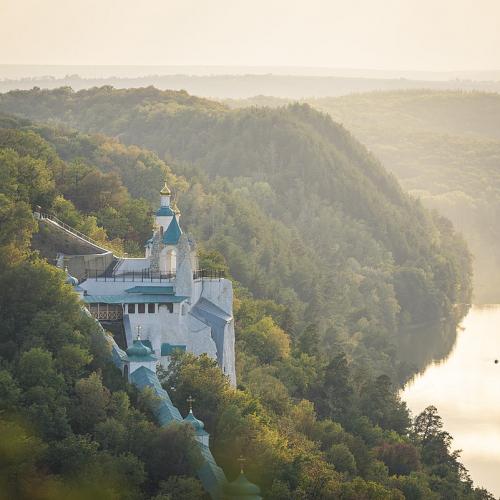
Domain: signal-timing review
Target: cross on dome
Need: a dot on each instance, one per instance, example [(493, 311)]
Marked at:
[(241, 460)]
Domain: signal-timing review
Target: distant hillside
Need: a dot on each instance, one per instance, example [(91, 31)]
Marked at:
[(444, 147), (239, 86), (300, 209)]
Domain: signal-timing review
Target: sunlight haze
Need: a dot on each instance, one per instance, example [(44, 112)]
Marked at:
[(388, 35)]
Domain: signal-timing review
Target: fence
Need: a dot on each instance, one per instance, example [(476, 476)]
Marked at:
[(145, 275), (72, 230)]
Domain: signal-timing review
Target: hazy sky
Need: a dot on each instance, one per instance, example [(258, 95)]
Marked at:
[(379, 34)]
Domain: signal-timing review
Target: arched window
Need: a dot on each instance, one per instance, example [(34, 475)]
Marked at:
[(171, 261), (125, 372)]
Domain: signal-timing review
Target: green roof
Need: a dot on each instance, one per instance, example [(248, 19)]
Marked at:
[(197, 425), (165, 211), (129, 298), (141, 359), (173, 233), (210, 474), (147, 343), (155, 290), (138, 349), (165, 412), (168, 349)]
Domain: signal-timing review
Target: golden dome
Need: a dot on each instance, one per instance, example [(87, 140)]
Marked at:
[(175, 208), (165, 190)]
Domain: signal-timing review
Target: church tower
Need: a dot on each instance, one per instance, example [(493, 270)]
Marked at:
[(161, 249), (164, 214)]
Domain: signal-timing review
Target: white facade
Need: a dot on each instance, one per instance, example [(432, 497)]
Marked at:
[(161, 297)]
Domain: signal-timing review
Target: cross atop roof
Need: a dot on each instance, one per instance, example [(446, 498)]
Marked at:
[(241, 460)]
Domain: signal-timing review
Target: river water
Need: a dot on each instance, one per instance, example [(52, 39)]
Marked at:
[(465, 388)]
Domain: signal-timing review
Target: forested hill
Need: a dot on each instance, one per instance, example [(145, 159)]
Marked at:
[(300, 210), (315, 413), (444, 148)]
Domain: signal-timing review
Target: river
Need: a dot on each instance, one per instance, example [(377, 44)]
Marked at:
[(465, 388)]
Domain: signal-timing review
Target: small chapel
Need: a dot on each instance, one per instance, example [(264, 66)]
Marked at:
[(165, 297)]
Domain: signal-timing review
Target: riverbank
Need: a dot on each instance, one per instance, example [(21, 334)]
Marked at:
[(464, 386)]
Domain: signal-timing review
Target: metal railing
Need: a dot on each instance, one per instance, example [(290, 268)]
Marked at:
[(145, 275), (44, 215), (208, 274)]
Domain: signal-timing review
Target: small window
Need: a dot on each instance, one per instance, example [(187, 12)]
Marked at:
[(151, 308), (131, 308), (170, 307), (141, 308)]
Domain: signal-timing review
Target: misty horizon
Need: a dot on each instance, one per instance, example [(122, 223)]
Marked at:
[(103, 71)]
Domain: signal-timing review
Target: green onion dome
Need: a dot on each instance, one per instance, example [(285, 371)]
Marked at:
[(241, 487), (138, 349), (197, 425)]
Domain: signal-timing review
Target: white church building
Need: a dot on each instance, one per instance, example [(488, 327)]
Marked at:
[(166, 298)]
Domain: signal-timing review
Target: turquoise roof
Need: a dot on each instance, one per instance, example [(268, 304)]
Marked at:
[(165, 411), (133, 299), (197, 425), (158, 290), (210, 474), (147, 343), (216, 318), (173, 233), (117, 355), (165, 212), (168, 349), (138, 350), (141, 359)]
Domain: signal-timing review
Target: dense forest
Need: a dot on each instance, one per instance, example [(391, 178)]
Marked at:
[(444, 148), (330, 260)]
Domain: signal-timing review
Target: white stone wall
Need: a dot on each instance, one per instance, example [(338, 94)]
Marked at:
[(218, 291), (229, 362), (164, 221), (174, 328), (132, 265), (165, 200), (184, 275)]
